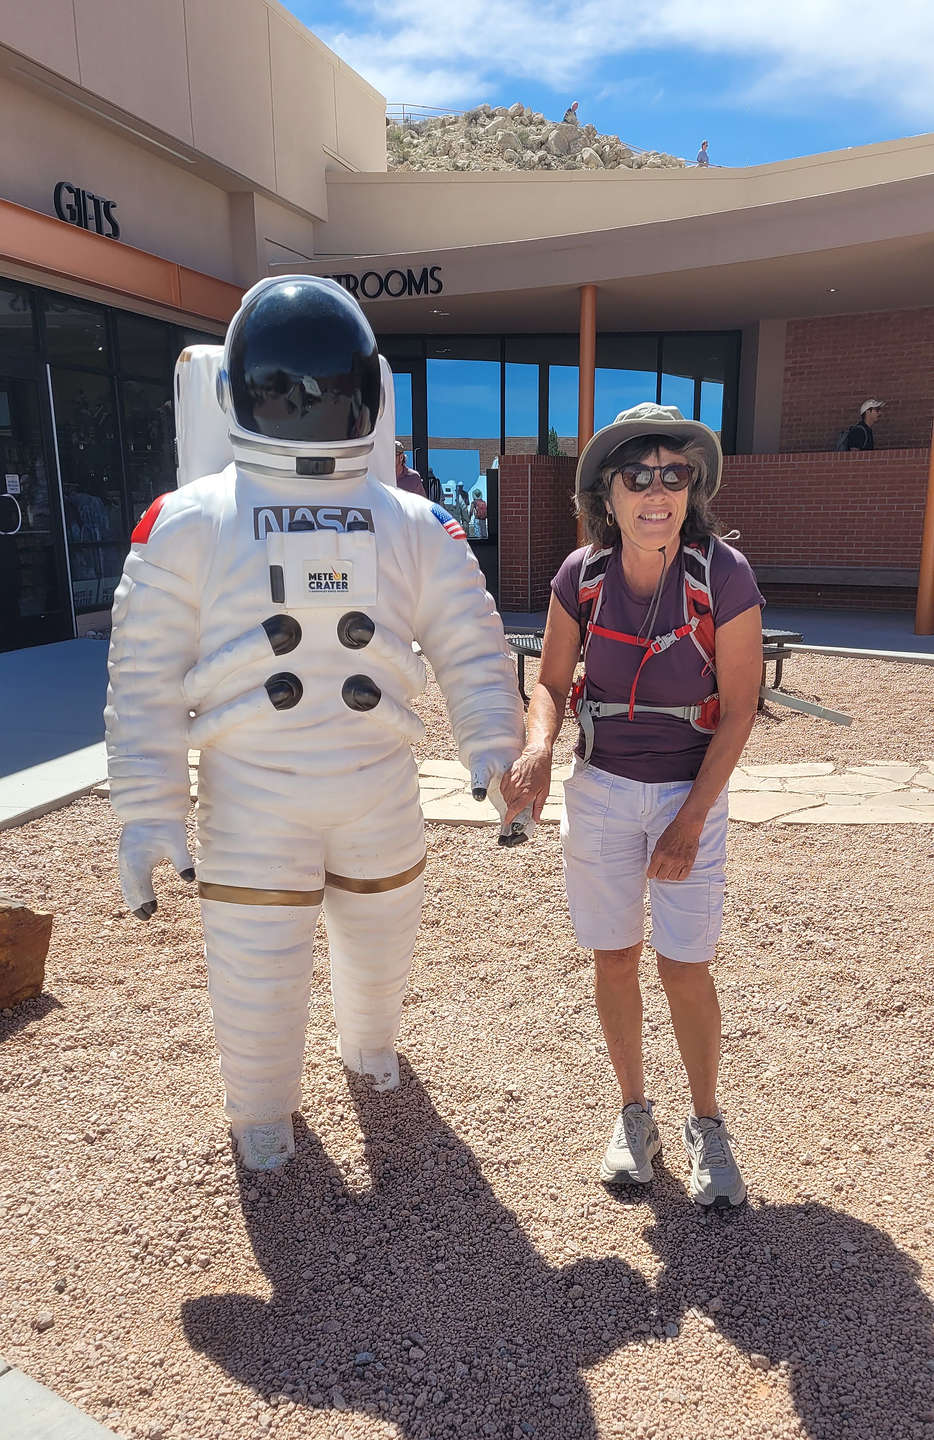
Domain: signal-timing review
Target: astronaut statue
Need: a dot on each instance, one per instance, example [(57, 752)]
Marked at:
[(265, 617)]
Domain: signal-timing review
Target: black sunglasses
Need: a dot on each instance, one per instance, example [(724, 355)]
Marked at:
[(638, 478)]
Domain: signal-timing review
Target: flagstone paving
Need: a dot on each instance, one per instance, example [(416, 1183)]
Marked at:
[(804, 793)]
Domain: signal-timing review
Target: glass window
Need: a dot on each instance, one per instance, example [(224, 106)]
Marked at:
[(711, 407), (29, 578), (146, 347), (402, 384), (562, 407), (17, 331), (521, 408), (76, 333), (463, 417), (627, 367), (184, 338), (149, 450), (91, 481), (690, 361)]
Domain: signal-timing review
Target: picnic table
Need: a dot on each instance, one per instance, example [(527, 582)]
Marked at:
[(774, 647)]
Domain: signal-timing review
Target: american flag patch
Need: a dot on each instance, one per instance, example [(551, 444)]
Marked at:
[(452, 526)]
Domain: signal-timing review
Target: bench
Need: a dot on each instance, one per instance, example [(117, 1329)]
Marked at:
[(775, 645)]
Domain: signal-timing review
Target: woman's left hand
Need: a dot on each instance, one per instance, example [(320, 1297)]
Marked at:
[(676, 850)]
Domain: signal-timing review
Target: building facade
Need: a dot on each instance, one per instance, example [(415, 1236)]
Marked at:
[(151, 174)]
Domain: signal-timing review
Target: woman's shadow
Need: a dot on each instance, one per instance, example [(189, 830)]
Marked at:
[(421, 1299), (830, 1295)]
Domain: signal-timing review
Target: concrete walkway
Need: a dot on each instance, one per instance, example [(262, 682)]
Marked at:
[(51, 726), (29, 1411)]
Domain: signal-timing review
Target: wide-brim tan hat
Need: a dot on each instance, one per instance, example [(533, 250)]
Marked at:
[(648, 419)]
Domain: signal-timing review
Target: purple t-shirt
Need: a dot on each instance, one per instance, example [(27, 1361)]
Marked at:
[(653, 748), (409, 479)]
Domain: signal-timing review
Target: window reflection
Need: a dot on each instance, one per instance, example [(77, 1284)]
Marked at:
[(562, 407), (17, 332), (91, 481), (149, 432), (463, 427), (76, 333), (146, 347), (402, 385)]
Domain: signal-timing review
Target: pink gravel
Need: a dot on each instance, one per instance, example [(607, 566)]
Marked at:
[(443, 1261)]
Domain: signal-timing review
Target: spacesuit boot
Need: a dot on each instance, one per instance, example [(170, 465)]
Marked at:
[(266, 617)]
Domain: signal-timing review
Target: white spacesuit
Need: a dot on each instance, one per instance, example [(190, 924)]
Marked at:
[(266, 617)]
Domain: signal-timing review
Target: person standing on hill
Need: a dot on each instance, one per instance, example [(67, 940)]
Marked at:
[(703, 159)]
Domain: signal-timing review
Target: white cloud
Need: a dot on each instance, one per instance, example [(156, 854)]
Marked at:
[(427, 52)]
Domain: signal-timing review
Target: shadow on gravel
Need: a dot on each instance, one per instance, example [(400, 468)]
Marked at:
[(447, 1320), (27, 1012), (805, 1284)]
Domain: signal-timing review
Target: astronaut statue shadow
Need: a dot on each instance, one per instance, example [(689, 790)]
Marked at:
[(420, 1299), (829, 1295)]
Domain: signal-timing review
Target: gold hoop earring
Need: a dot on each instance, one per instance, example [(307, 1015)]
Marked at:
[(610, 519)]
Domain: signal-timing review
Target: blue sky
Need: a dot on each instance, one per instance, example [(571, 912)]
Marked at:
[(761, 81)]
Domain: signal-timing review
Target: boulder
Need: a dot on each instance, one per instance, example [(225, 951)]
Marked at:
[(590, 159), (512, 157), (517, 110), (24, 944), (563, 139), (509, 140)]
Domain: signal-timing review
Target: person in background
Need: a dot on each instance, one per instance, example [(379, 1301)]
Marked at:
[(860, 436), (570, 114), (647, 799), (703, 159), (478, 515), (407, 479)]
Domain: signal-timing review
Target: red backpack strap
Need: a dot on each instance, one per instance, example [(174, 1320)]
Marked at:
[(698, 597)]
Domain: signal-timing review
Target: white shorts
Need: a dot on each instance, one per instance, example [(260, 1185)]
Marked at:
[(609, 830)]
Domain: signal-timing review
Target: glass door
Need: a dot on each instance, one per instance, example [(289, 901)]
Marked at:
[(34, 604), (408, 375)]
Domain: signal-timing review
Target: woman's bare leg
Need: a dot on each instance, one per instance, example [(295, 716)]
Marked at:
[(695, 1014), (619, 1005)]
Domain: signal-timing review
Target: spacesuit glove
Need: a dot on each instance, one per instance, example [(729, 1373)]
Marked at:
[(143, 844), (485, 776)]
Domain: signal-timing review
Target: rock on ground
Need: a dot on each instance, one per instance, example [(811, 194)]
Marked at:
[(24, 944)]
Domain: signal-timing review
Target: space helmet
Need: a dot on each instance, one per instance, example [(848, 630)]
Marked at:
[(300, 377)]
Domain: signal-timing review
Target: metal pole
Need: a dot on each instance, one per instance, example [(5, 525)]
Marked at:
[(586, 364), (924, 614)]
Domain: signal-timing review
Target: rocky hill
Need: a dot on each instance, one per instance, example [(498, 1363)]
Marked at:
[(516, 138)]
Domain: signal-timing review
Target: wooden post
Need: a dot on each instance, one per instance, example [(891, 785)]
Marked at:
[(924, 614), (586, 365)]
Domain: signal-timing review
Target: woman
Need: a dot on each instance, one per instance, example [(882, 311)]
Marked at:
[(648, 795)]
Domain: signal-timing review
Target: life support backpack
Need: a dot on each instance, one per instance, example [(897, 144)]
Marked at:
[(698, 627)]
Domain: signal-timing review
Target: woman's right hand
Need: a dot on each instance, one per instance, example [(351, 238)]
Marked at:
[(527, 782)]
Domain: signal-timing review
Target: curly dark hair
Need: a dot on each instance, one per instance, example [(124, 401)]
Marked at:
[(699, 522)]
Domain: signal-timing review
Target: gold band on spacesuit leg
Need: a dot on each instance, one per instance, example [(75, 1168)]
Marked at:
[(375, 887), (245, 895)]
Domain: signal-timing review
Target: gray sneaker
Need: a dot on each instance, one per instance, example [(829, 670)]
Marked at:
[(715, 1178), (628, 1158)]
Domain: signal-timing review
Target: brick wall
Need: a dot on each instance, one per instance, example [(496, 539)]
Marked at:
[(808, 510), (829, 510), (834, 363), (536, 524)]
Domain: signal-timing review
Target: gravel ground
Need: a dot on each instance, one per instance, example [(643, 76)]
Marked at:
[(443, 1261)]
